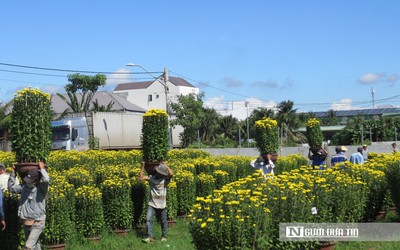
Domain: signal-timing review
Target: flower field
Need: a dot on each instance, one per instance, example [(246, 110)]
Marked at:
[(228, 203)]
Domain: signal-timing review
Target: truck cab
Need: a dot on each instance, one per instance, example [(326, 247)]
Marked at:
[(70, 133)]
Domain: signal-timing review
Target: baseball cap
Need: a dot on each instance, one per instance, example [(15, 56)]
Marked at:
[(32, 176)]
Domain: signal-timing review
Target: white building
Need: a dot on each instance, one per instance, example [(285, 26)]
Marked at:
[(155, 94)]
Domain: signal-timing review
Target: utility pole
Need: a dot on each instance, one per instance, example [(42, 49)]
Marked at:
[(246, 103), (373, 97), (166, 79)]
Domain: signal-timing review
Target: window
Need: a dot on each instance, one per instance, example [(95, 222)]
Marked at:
[(150, 98)]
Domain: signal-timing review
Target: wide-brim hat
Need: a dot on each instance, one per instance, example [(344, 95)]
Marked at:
[(162, 169)]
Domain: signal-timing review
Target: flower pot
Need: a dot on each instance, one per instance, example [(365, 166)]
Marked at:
[(380, 216), (171, 222), (57, 246), (330, 245), (23, 168), (150, 167), (94, 239), (122, 232)]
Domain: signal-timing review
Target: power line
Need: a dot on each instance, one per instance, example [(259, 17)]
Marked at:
[(76, 71), (209, 85)]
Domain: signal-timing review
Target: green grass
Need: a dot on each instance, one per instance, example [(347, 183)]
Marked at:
[(373, 245), (179, 238)]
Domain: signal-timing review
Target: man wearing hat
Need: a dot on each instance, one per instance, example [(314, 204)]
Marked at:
[(32, 205), (365, 152), (157, 198), (340, 156), (394, 146)]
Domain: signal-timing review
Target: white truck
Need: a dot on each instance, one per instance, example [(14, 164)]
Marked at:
[(113, 130)]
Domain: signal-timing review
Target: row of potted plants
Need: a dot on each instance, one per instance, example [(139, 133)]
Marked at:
[(246, 213)]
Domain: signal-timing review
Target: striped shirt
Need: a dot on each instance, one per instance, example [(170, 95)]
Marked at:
[(338, 158)]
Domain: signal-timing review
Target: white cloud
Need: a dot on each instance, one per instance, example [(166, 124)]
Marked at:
[(370, 78), (343, 104), (120, 76), (237, 109)]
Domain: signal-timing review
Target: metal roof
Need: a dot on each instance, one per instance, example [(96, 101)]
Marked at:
[(364, 112), (177, 81), (103, 98)]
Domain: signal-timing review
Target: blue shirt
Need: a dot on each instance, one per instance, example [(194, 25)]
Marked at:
[(357, 158), (1, 205), (338, 158)]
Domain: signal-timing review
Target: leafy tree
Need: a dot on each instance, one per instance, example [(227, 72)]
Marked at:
[(189, 114), (84, 85)]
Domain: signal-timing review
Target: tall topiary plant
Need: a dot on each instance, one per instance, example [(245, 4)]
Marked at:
[(31, 126), (314, 133), (155, 137), (267, 136)]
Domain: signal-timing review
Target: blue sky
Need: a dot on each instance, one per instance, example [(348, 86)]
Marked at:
[(318, 54)]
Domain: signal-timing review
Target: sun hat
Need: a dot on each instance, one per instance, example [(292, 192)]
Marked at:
[(32, 176), (343, 148), (162, 169)]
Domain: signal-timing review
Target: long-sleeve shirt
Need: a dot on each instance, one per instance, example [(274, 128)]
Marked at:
[(32, 205), (357, 158), (1, 206)]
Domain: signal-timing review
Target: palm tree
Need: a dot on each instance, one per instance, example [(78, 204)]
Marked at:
[(101, 108), (256, 115), (209, 125), (229, 127), (330, 119), (287, 121)]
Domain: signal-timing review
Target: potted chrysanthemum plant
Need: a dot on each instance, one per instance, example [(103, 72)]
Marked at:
[(314, 134), (30, 128), (155, 138), (267, 137)]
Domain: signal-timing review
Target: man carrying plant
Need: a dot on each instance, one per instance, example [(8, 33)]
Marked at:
[(266, 163), (32, 211), (157, 198)]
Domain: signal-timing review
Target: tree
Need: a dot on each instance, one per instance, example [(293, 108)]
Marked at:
[(189, 114), (101, 108), (209, 125), (228, 127), (330, 119), (84, 85), (288, 122)]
